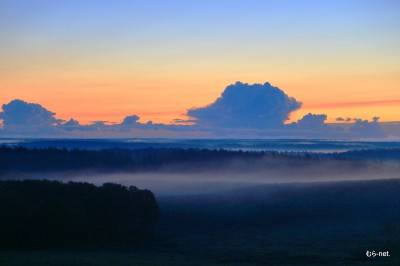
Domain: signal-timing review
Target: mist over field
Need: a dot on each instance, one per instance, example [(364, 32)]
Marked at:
[(186, 167), (212, 177), (211, 206), (209, 182)]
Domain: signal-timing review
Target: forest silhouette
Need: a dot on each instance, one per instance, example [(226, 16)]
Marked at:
[(51, 214)]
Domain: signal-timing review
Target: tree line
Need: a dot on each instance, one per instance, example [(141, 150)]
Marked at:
[(44, 214), (21, 159)]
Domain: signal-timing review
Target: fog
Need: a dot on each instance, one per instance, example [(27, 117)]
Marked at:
[(233, 177)]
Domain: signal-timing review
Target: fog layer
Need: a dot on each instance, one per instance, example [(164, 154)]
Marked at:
[(234, 176)]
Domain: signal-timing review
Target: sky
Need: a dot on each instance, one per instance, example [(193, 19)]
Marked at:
[(104, 60)]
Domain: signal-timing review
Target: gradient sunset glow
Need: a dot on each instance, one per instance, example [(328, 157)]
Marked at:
[(103, 60)]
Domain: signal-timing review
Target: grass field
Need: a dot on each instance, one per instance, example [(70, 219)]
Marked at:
[(294, 224)]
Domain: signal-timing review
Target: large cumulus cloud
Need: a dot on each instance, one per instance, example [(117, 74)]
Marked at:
[(257, 106), (20, 113)]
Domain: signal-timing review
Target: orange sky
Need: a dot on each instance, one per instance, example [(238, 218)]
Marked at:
[(105, 95), (340, 58)]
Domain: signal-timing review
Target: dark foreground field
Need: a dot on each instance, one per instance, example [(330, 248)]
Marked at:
[(293, 224)]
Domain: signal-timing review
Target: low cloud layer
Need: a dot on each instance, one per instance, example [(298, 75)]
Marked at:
[(242, 111), (366, 129), (241, 105)]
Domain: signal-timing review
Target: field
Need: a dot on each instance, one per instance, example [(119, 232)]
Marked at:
[(292, 224)]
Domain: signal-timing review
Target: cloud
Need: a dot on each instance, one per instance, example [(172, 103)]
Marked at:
[(347, 119), (242, 105), (310, 126), (130, 121), (313, 122), (242, 111), (71, 123), (313, 125), (366, 129), (20, 113)]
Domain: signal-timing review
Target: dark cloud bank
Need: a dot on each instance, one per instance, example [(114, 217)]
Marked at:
[(242, 111)]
